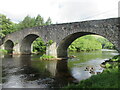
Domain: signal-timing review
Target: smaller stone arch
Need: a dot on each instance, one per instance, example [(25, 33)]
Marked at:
[(8, 45), (25, 45)]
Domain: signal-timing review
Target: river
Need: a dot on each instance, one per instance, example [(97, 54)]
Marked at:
[(27, 71)]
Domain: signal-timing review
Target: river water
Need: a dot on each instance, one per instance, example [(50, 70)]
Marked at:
[(27, 71)]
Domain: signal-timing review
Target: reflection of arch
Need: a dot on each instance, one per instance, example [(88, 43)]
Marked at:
[(63, 75), (64, 44), (9, 46), (26, 43)]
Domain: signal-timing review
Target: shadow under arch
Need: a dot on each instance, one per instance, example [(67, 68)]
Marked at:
[(26, 43), (64, 44), (9, 46)]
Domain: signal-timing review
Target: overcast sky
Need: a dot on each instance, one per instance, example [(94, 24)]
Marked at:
[(60, 11)]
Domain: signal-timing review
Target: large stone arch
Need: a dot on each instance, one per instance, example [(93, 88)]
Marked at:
[(25, 46), (8, 45), (62, 51)]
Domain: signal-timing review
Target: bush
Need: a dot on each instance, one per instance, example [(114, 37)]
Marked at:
[(40, 46), (44, 56)]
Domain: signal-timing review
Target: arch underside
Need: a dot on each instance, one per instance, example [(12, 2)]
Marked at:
[(26, 44), (9, 46)]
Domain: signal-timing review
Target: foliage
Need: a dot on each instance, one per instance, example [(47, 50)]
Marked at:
[(116, 58), (113, 64), (90, 43), (49, 21), (39, 21), (44, 56), (49, 42), (29, 22), (107, 65), (105, 43), (6, 26), (39, 45), (85, 43)]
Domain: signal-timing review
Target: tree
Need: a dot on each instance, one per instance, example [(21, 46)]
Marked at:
[(32, 22), (39, 45), (49, 21), (85, 43), (39, 21), (27, 22), (105, 43), (89, 42), (6, 26)]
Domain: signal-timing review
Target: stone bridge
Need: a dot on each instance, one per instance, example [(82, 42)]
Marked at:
[(62, 35)]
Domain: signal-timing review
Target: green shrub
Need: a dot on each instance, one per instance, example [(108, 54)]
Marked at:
[(44, 56), (116, 58), (107, 65), (40, 46)]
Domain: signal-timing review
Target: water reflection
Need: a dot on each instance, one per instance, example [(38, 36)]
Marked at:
[(26, 71), (92, 59), (63, 75), (22, 71)]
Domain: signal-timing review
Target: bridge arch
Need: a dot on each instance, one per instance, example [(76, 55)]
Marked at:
[(65, 43), (26, 43), (9, 46)]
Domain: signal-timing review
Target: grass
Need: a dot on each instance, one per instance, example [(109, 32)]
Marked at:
[(104, 80), (108, 79), (3, 51)]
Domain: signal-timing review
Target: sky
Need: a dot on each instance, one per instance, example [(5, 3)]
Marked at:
[(60, 11)]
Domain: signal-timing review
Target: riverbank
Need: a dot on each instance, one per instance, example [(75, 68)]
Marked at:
[(109, 78), (3, 51)]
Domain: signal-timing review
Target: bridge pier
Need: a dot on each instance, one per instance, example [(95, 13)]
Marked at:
[(52, 50), (2, 46), (16, 49)]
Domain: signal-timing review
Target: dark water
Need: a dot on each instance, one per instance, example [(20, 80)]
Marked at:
[(27, 71)]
